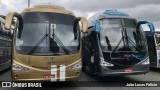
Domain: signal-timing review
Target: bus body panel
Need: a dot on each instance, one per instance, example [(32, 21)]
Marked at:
[(40, 66), (5, 47), (48, 8)]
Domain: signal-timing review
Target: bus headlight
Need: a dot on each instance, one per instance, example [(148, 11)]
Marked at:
[(76, 66), (105, 64), (18, 67), (146, 61)]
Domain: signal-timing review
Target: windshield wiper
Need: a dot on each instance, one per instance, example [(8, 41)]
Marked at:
[(118, 45), (61, 44), (36, 46), (128, 39), (134, 45)]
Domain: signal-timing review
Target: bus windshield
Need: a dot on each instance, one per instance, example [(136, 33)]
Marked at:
[(121, 35), (47, 34)]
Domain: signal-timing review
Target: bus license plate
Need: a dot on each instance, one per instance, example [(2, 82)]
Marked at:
[(49, 76), (128, 70)]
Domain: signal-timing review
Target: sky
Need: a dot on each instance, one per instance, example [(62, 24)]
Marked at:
[(139, 9)]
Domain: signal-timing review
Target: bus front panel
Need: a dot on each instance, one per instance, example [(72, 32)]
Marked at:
[(46, 47), (118, 48)]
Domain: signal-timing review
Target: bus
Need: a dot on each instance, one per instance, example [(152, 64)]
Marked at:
[(115, 45), (153, 40), (5, 47), (46, 44)]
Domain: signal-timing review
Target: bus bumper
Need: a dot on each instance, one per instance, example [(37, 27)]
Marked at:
[(136, 70), (39, 76), (73, 78)]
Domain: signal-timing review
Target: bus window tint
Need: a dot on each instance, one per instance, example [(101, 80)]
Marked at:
[(121, 33), (110, 32), (65, 34), (136, 37), (49, 32)]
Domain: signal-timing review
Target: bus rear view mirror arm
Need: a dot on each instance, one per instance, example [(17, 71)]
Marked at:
[(150, 25), (84, 24), (9, 20)]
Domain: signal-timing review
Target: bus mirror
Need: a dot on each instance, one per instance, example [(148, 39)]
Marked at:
[(84, 24), (150, 25), (97, 26), (9, 22)]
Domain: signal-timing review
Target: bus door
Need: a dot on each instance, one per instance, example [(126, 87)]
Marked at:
[(151, 43), (151, 48), (157, 46)]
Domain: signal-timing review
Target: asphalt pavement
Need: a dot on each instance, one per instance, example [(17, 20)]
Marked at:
[(153, 75)]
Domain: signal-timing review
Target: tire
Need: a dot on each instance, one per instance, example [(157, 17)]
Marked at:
[(85, 67)]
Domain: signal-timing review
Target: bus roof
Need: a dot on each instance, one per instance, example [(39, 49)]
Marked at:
[(107, 14), (113, 13), (48, 8)]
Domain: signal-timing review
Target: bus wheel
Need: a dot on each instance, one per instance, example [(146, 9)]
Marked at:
[(86, 68)]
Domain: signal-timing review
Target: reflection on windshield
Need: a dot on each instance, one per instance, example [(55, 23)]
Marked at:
[(29, 39), (121, 35), (110, 28)]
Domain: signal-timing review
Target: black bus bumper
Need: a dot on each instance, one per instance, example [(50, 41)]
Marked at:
[(137, 70)]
